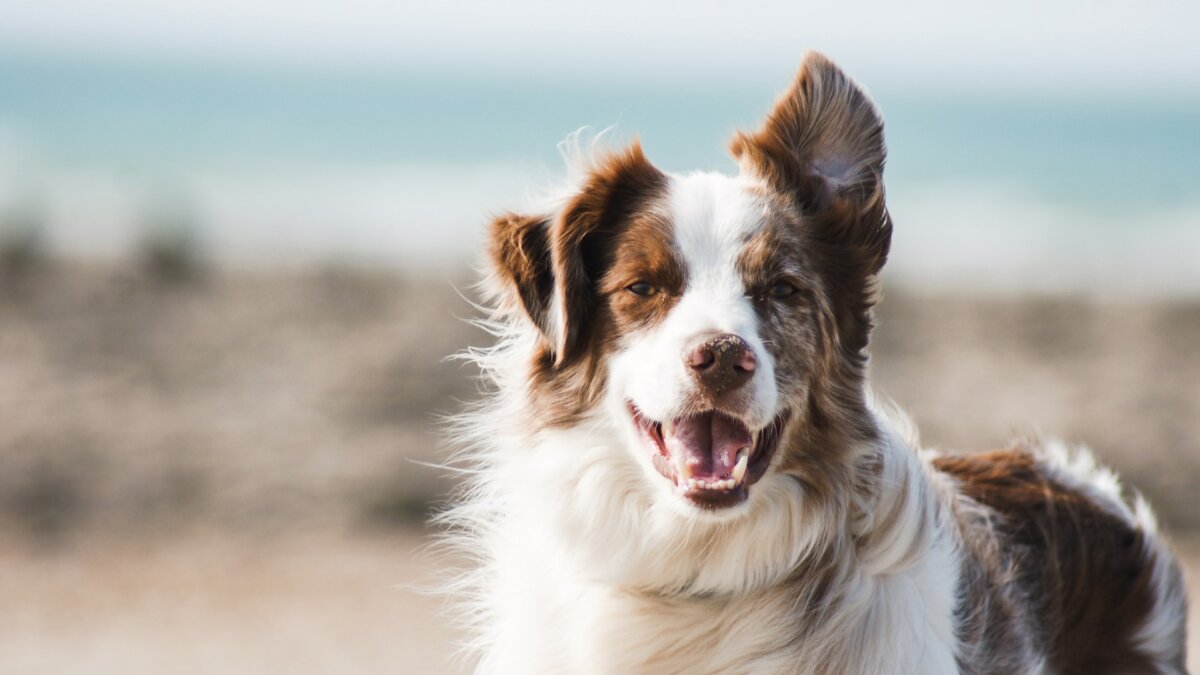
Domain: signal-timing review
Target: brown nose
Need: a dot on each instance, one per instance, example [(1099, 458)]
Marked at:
[(721, 363)]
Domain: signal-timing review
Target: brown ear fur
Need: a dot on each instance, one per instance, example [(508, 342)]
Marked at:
[(822, 141), (520, 255), (537, 256), (582, 237), (822, 145)]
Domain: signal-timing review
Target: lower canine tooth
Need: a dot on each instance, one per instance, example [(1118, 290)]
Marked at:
[(681, 467), (739, 469)]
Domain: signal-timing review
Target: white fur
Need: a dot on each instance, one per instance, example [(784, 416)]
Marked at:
[(1160, 636), (1077, 468)]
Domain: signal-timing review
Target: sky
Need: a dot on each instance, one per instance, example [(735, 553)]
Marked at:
[(390, 128), (1048, 43)]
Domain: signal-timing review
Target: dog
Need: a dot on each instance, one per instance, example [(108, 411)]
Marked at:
[(679, 466)]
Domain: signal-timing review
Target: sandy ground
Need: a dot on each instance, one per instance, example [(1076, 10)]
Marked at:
[(225, 471), (211, 605)]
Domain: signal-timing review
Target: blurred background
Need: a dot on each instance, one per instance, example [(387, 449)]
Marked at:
[(236, 237)]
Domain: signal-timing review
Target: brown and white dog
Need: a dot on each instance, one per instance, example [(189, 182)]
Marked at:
[(681, 468)]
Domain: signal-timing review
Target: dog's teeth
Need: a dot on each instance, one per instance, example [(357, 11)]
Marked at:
[(681, 467), (730, 483), (693, 484), (668, 428), (739, 469)]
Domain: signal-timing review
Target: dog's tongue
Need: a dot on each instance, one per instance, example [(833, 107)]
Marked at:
[(708, 444)]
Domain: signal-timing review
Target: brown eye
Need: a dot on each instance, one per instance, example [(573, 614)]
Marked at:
[(642, 289), (780, 290)]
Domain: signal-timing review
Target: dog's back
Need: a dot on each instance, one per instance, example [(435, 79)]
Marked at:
[(1064, 562)]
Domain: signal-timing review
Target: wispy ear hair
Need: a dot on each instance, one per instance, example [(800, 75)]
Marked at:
[(822, 141)]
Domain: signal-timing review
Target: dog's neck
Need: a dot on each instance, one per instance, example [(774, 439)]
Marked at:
[(850, 576), (897, 511)]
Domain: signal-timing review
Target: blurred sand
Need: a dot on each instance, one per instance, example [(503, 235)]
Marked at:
[(212, 604), (214, 472)]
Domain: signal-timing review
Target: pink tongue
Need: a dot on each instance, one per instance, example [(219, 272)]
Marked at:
[(708, 444)]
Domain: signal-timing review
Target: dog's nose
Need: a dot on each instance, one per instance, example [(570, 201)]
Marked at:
[(721, 363)]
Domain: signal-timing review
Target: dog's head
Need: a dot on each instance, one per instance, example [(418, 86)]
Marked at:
[(720, 322)]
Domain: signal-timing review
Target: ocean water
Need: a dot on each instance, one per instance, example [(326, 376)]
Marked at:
[(989, 188)]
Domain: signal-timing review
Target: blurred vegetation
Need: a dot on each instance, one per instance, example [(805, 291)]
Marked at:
[(22, 240), (254, 402), (171, 249)]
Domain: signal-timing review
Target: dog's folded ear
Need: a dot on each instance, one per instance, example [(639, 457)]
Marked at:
[(550, 265), (519, 251)]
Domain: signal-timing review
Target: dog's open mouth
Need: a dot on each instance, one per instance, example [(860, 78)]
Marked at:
[(712, 458)]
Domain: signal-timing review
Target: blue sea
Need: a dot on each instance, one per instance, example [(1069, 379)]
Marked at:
[(990, 188)]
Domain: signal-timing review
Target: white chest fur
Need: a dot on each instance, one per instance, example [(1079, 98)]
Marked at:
[(549, 618)]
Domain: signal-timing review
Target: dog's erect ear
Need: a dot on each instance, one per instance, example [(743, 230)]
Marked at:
[(822, 141), (552, 264), (822, 144)]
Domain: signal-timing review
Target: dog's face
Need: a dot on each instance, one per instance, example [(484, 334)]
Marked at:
[(712, 299), (719, 322)]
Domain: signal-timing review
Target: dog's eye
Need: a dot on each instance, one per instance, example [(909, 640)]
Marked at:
[(781, 289), (642, 289)]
